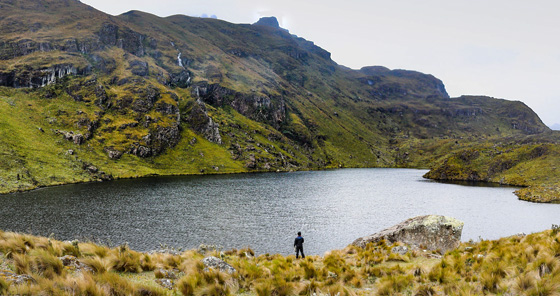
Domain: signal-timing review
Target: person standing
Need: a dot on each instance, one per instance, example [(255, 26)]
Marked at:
[(298, 245)]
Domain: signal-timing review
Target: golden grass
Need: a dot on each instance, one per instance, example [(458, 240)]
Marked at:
[(516, 265)]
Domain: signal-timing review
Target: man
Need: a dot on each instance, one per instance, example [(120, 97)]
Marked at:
[(298, 245)]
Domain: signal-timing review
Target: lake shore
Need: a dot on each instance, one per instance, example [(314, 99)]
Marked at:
[(511, 265)]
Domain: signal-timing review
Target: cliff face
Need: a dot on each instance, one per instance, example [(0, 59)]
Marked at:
[(220, 96)]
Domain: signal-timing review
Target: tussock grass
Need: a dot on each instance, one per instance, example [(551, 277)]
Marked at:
[(517, 265)]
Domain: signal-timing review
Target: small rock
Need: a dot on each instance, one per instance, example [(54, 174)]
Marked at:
[(70, 152), (401, 250), (332, 275), (92, 169), (73, 263), (168, 274), (216, 263), (41, 130), (166, 283), (112, 153)]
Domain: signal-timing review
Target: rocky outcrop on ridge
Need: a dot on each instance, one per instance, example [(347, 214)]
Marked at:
[(431, 232)]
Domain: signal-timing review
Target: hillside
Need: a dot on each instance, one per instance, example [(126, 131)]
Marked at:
[(531, 162), (87, 96)]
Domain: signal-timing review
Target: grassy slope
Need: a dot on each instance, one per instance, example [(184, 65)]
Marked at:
[(532, 162), (517, 265), (334, 116)]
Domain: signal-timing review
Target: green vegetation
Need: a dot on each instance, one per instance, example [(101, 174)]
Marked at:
[(517, 265), (531, 162), (85, 96)]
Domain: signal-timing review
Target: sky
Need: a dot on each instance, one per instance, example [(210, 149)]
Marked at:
[(500, 48)]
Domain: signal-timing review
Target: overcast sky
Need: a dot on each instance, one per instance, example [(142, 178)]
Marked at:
[(501, 48)]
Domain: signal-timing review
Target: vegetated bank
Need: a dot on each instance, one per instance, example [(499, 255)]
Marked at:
[(532, 162), (87, 96), (516, 265)]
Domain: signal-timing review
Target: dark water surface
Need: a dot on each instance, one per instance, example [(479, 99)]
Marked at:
[(264, 211)]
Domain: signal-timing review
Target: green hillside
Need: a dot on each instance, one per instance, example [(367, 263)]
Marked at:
[(87, 96)]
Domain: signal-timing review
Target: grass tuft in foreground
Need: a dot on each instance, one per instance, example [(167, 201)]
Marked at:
[(517, 265)]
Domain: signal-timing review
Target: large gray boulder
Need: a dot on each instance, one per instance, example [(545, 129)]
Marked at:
[(432, 232), (219, 264)]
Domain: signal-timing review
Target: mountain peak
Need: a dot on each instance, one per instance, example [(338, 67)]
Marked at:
[(269, 21)]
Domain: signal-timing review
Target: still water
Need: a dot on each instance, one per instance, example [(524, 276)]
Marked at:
[(264, 211)]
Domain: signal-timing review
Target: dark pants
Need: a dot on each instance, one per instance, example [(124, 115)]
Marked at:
[(299, 250)]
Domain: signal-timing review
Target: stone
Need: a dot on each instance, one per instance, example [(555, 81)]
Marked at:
[(167, 274), (166, 283), (401, 250), (73, 263), (432, 232), (16, 279), (112, 153), (216, 263), (92, 169)]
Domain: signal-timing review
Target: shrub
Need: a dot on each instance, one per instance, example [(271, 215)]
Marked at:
[(147, 264), (186, 287), (263, 289), (71, 249), (21, 263), (544, 287), (393, 284), (91, 249), (309, 288), (126, 261), (114, 284), (97, 264), (309, 270), (215, 290), (425, 290), (45, 264), (523, 282), (4, 287), (85, 285)]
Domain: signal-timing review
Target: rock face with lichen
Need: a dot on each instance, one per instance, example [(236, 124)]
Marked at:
[(431, 232)]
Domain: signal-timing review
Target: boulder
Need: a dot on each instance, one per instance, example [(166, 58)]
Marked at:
[(72, 263), (401, 250), (166, 283), (216, 263), (432, 232)]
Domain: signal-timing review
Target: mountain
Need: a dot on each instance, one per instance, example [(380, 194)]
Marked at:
[(89, 96)]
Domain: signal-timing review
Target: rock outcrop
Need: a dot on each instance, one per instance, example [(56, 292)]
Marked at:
[(216, 263), (431, 232)]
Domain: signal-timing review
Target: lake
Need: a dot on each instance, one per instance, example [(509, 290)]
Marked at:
[(265, 211)]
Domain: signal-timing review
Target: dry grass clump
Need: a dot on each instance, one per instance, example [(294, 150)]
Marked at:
[(518, 265), (4, 286)]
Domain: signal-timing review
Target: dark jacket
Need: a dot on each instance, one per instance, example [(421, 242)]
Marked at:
[(298, 242)]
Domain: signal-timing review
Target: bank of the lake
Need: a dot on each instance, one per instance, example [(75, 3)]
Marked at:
[(516, 265)]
